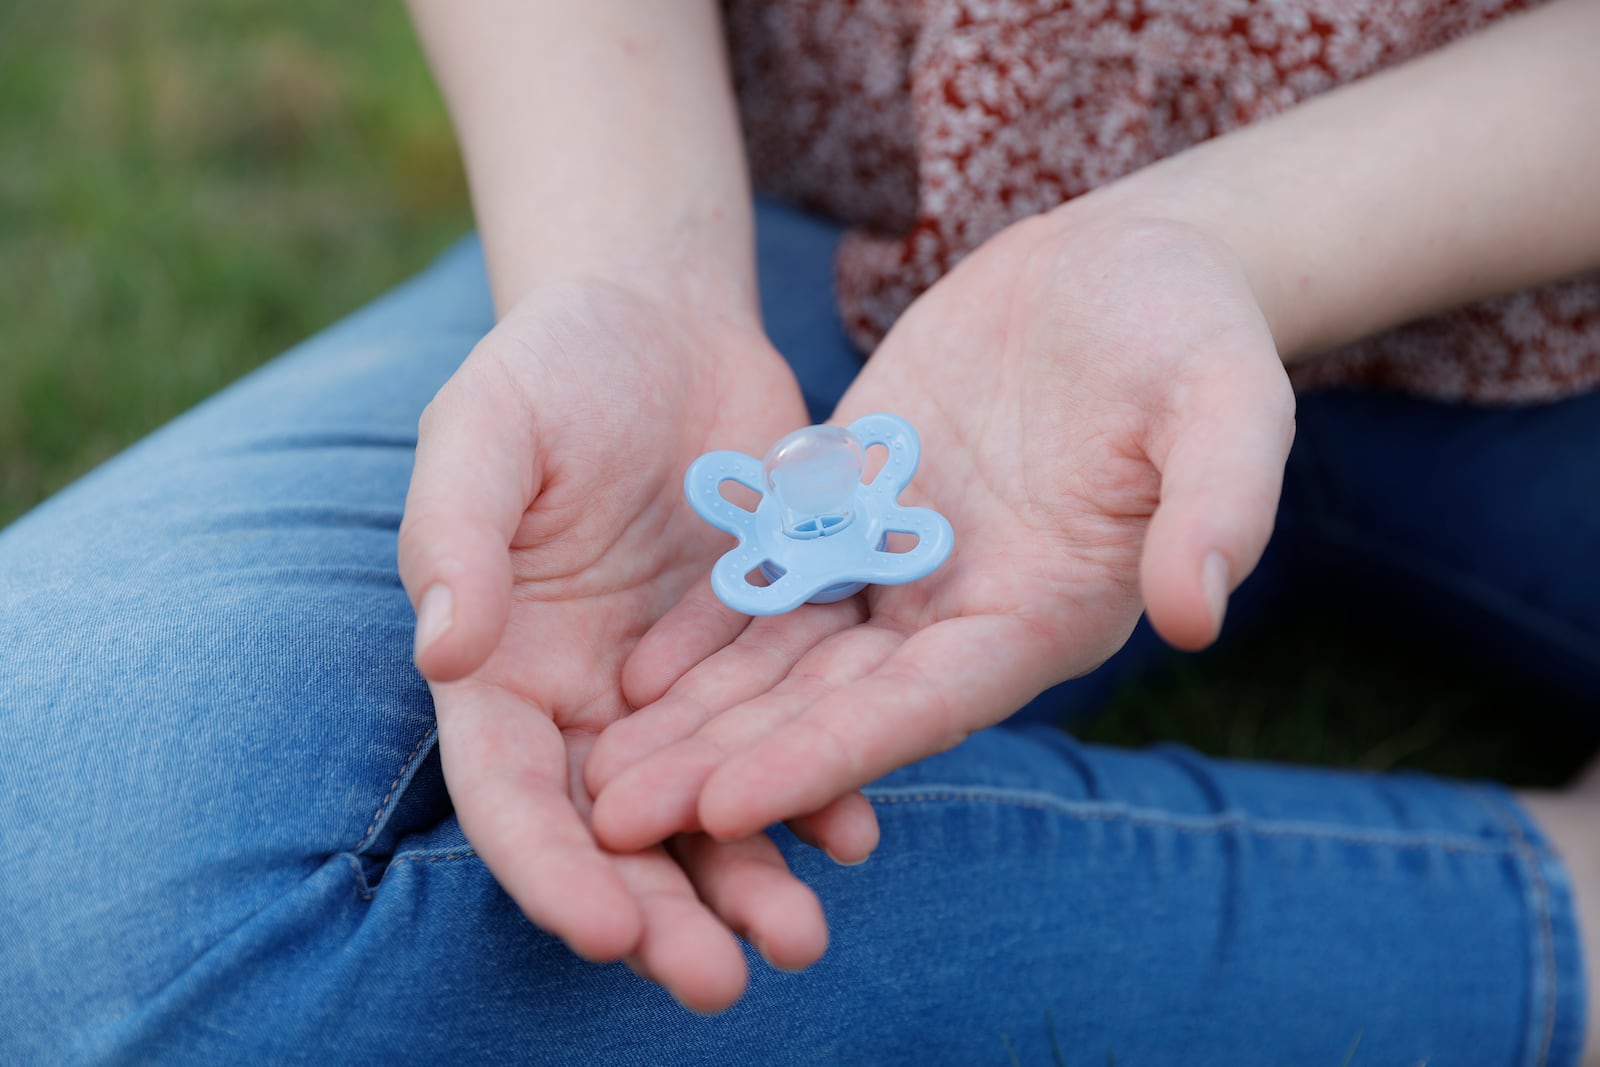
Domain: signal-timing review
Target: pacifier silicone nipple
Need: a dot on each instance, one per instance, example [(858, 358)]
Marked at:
[(814, 474)]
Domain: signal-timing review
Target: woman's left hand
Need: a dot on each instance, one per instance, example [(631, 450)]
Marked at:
[(1105, 423)]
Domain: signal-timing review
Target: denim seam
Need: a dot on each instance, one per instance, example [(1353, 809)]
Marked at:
[(1227, 820), (364, 890), (383, 805), (1545, 966), (441, 857), (367, 892)]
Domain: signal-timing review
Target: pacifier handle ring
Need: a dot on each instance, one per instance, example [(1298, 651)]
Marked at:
[(702, 484), (728, 581), (932, 530), (905, 450)]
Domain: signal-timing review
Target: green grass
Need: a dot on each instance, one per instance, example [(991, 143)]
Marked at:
[(188, 187), (1346, 687)]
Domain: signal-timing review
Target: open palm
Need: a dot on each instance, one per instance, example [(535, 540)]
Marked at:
[(1104, 421), (547, 503)]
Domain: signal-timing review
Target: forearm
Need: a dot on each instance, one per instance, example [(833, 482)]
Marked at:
[(600, 139), (1470, 172)]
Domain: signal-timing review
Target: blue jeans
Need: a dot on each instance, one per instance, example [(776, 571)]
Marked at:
[(226, 837)]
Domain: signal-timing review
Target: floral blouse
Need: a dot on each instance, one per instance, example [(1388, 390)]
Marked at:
[(929, 125)]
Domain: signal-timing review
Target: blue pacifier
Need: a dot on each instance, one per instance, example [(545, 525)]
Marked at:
[(819, 534)]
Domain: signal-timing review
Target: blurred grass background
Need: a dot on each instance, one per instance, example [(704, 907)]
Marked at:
[(188, 187)]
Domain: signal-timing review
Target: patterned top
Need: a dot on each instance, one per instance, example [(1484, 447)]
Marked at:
[(929, 125)]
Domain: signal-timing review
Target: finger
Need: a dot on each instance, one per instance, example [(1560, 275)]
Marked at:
[(749, 886), (665, 800), (684, 947), (691, 630), (653, 800), (756, 661), (846, 829), (506, 766), (660, 798), (1220, 479), (473, 480), (659, 795), (940, 685)]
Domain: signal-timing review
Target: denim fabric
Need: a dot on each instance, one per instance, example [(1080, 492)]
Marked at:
[(225, 836)]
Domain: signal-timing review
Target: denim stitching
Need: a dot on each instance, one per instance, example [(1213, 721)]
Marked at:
[(1519, 847), (1529, 858), (363, 890), (1227, 820), (460, 854), (383, 805), (367, 892)]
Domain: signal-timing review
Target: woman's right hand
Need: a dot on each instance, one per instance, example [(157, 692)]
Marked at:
[(544, 533)]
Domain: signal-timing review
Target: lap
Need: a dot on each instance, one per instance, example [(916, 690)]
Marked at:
[(1029, 892)]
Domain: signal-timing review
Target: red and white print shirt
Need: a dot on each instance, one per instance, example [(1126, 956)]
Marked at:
[(929, 125)]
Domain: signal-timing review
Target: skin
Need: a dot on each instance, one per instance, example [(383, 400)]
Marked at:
[(579, 576), (1130, 344), (545, 529), (1045, 580)]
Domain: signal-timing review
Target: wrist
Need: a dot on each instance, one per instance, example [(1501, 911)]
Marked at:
[(1184, 191), (708, 269), (693, 315)]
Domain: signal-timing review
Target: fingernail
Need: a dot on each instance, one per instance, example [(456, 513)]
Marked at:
[(762, 950), (848, 863), (1214, 579), (433, 617)]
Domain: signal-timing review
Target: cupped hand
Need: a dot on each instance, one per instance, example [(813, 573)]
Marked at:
[(1105, 422), (544, 532)]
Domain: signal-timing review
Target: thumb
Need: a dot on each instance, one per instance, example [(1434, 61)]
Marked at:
[(1221, 474), (474, 478)]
